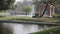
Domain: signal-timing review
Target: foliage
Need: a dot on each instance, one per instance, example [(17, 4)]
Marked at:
[(27, 9), (6, 4), (37, 4), (57, 2), (56, 16), (55, 30), (46, 1)]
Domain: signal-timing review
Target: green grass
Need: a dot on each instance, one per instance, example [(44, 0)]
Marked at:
[(23, 18), (55, 30), (26, 18), (14, 17)]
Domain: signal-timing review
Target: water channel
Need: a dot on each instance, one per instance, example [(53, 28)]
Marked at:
[(22, 28)]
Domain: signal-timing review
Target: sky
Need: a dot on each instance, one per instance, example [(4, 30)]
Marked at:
[(22, 0), (19, 0)]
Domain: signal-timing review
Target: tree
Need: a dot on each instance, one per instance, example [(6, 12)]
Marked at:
[(27, 9), (6, 4), (57, 2), (52, 2), (37, 4)]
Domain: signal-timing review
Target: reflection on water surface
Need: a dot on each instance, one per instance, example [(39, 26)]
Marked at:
[(22, 28)]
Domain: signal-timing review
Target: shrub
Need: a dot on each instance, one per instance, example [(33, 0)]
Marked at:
[(27, 9), (57, 16)]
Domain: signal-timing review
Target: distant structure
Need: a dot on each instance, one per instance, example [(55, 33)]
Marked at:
[(49, 12)]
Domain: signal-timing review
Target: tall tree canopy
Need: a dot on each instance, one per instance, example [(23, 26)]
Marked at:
[(52, 2), (6, 4)]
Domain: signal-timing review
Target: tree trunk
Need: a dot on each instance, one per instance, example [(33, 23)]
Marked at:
[(26, 13), (44, 10)]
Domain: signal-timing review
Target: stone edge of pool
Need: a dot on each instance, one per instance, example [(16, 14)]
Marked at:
[(28, 22)]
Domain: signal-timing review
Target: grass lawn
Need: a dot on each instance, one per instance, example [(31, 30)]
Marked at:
[(25, 18), (55, 30)]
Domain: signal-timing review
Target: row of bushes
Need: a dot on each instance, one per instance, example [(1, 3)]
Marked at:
[(55, 30)]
